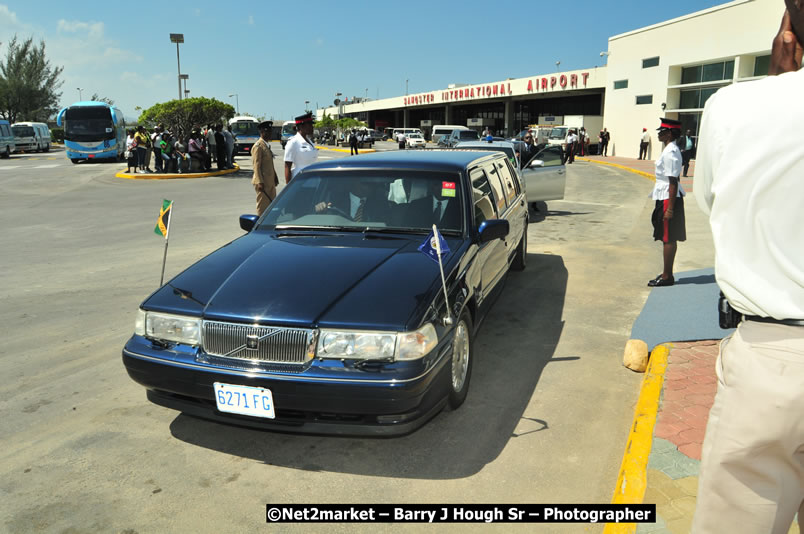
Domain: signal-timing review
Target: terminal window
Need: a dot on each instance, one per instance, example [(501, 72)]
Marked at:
[(621, 84), (761, 65), (711, 72), (644, 99), (650, 62)]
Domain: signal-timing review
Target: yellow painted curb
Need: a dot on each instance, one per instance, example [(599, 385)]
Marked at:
[(647, 175), (633, 478), (361, 150), (183, 176)]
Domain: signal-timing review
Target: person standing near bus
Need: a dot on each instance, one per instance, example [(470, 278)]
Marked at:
[(300, 150), (142, 141), (264, 179)]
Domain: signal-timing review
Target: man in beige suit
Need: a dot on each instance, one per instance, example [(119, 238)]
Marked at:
[(265, 179)]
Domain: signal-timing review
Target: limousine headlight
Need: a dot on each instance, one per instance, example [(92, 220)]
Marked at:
[(336, 344), (168, 327)]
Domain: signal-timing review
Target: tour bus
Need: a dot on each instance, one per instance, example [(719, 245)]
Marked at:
[(246, 132), (31, 136), (93, 130), (288, 131), (6, 140)]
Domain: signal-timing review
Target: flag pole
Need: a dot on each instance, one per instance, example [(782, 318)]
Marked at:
[(167, 236), (448, 317)]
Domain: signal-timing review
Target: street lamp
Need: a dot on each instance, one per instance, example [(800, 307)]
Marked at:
[(558, 63), (184, 77), (177, 38), (80, 98), (606, 55), (306, 105), (237, 100), (406, 87)]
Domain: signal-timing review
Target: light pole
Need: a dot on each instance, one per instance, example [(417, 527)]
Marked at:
[(184, 77), (237, 100), (306, 105), (558, 63), (366, 94), (80, 98), (177, 38), (406, 87), (606, 55)]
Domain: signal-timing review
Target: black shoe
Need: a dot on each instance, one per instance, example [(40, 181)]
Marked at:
[(661, 282)]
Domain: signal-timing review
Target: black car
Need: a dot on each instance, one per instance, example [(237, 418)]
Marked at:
[(329, 315)]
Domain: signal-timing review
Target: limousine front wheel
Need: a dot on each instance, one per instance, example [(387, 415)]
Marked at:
[(461, 364)]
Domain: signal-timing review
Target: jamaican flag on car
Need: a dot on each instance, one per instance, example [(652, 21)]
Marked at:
[(163, 223)]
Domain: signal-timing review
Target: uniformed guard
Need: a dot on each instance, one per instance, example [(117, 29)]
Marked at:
[(668, 215), (300, 150), (265, 178)]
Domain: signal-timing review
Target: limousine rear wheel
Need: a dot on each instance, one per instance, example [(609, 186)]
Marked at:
[(461, 361), (7, 154)]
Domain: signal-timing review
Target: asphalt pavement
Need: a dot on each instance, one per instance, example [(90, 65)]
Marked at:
[(82, 450)]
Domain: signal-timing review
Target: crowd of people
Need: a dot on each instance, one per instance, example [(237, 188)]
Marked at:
[(175, 153)]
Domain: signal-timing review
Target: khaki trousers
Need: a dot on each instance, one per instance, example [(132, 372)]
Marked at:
[(752, 468), (263, 201)]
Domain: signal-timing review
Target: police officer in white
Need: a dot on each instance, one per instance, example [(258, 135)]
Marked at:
[(300, 150), (669, 225), (752, 468)]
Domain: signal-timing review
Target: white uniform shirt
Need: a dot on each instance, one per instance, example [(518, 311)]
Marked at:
[(572, 138), (752, 185), (300, 153), (645, 137), (668, 164)]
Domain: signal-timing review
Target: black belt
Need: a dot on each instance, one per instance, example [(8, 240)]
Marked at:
[(788, 322)]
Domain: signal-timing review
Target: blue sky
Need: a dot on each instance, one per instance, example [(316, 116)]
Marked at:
[(276, 55)]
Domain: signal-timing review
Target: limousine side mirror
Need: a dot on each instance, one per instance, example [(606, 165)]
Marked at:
[(536, 163), (247, 222), (492, 229)]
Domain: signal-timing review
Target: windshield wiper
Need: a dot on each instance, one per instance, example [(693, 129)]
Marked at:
[(394, 230)]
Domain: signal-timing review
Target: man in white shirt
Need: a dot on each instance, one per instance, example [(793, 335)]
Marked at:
[(752, 466), (643, 144), (668, 216), (572, 139), (300, 150)]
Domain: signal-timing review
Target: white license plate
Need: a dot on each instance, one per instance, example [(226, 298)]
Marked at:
[(244, 400)]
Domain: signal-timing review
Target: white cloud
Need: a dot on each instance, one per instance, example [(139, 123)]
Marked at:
[(118, 54), (251, 20), (319, 41), (94, 29), (7, 16)]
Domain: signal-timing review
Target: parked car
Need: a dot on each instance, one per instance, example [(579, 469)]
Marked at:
[(458, 136), (414, 140), (352, 333), (544, 176)]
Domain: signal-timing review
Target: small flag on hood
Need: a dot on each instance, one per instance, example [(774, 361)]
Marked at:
[(432, 243), (164, 219)]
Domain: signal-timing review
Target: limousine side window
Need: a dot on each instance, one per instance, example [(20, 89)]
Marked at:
[(508, 181), (481, 196), (551, 156), (497, 187)]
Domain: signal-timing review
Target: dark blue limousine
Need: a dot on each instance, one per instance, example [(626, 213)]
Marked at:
[(330, 315)]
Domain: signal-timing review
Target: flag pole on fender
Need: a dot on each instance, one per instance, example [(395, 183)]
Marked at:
[(437, 242), (163, 228)]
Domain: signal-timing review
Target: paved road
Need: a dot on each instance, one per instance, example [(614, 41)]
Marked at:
[(81, 450)]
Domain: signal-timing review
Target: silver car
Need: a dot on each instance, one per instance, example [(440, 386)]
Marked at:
[(544, 176)]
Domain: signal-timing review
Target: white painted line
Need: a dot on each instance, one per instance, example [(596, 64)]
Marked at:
[(326, 157), (50, 166), (9, 167)]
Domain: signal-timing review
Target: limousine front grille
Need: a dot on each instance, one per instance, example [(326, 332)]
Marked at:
[(259, 343)]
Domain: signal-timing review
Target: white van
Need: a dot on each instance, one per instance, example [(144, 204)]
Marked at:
[(406, 131), (30, 136), (444, 131), (6, 139)]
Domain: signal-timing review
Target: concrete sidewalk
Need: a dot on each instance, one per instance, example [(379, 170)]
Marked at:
[(675, 400), (645, 166)]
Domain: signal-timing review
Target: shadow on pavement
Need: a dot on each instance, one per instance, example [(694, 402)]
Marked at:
[(704, 279), (515, 343)]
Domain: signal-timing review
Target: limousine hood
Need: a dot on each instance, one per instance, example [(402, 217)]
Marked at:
[(342, 281)]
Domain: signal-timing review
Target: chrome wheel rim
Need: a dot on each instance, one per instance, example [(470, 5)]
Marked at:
[(460, 356)]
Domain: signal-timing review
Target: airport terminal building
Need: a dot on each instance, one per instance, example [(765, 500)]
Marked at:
[(667, 69)]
